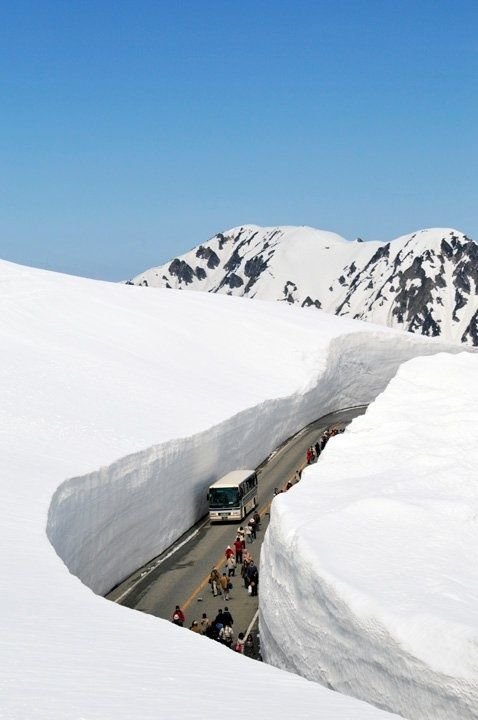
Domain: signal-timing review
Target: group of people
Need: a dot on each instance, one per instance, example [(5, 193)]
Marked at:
[(221, 628), (235, 555), (311, 456), (314, 451), (290, 483)]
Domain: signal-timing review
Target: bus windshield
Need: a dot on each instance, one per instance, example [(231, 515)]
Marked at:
[(224, 497)]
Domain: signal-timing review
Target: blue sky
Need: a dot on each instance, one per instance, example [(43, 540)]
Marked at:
[(132, 131)]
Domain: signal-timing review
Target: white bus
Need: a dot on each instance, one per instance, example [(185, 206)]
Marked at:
[(233, 496)]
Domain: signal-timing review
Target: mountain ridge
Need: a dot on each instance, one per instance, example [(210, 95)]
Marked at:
[(424, 282)]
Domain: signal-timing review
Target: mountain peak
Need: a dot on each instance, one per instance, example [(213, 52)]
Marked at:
[(424, 282)]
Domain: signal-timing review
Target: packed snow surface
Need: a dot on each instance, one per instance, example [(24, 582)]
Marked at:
[(119, 407), (384, 529)]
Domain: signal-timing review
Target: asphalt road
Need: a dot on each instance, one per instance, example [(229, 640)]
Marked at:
[(179, 576)]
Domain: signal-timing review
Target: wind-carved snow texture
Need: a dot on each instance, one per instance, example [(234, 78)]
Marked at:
[(369, 565), (425, 282)]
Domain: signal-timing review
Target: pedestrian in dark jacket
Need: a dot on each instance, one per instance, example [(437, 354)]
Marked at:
[(227, 617), (245, 572), (249, 647), (253, 578), (219, 619)]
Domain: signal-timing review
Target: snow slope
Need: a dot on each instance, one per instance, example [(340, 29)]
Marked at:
[(118, 408), (384, 530), (424, 282)]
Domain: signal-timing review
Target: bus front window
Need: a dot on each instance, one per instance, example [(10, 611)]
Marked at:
[(223, 497)]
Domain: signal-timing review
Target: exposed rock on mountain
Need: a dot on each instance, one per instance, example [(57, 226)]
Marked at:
[(425, 282)]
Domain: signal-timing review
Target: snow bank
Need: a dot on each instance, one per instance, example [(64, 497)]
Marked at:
[(118, 408), (369, 566)]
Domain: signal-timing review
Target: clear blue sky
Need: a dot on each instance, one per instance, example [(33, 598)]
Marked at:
[(132, 131)]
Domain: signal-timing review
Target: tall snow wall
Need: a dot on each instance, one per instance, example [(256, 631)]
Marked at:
[(369, 581), (106, 524), (91, 373)]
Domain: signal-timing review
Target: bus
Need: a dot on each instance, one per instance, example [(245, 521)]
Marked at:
[(233, 496)]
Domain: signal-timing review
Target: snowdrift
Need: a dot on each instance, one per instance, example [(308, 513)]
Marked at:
[(118, 409), (369, 566)]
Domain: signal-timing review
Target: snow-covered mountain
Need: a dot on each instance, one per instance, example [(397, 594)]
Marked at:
[(425, 282)]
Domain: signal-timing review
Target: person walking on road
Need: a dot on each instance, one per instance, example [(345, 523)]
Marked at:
[(215, 581), (246, 573), (195, 627), (239, 645), (226, 635), (218, 622), (178, 616), (249, 647), (238, 549), (204, 624), (224, 585), (231, 566), (252, 527), (229, 552), (227, 617), (248, 533), (253, 578)]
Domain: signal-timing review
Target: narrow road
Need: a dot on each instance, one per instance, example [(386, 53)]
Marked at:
[(179, 576)]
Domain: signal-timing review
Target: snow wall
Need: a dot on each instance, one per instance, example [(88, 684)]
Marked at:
[(92, 375), (369, 564), (107, 524)]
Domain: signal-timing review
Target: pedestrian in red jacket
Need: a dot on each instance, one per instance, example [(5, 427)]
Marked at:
[(229, 552), (238, 549), (178, 616)]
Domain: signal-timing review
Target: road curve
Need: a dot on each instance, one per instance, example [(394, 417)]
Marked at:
[(179, 576)]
